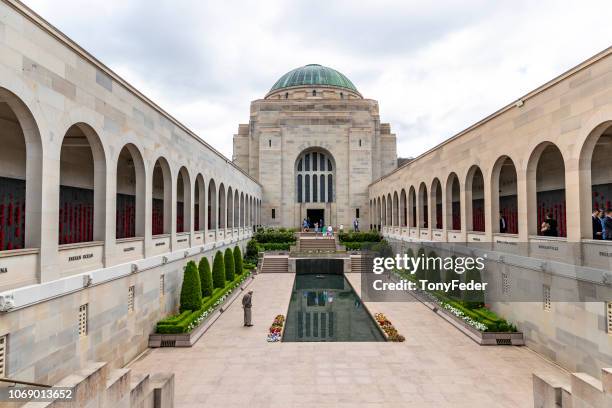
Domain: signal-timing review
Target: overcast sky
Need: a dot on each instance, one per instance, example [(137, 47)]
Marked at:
[(435, 67)]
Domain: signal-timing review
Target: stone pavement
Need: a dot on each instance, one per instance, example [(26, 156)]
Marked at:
[(437, 366)]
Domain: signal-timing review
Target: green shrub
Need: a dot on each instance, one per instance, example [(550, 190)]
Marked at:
[(274, 236), (382, 248), (230, 272), (218, 273), (274, 246), (252, 251), (180, 323), (238, 260), (473, 299), (354, 246), (206, 280), (365, 236), (191, 292), (248, 266)]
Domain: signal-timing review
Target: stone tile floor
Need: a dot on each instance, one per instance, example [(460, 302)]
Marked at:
[(437, 366)]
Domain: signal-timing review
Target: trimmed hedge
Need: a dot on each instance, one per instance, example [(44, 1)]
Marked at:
[(206, 280), (218, 273), (275, 236), (228, 259), (366, 236), (180, 323), (248, 266), (251, 251), (274, 246), (238, 264), (191, 292)]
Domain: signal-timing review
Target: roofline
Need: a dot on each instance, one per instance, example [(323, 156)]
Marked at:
[(567, 74), (43, 24), (273, 91)]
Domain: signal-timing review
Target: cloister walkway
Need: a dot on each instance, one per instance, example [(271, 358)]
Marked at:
[(437, 366)]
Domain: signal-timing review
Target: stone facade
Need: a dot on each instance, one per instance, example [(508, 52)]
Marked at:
[(548, 152), (79, 142), (315, 118)]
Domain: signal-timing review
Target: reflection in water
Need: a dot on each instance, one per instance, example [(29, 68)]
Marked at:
[(325, 308)]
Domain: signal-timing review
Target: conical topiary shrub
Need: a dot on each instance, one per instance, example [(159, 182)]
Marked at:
[(229, 265), (191, 293), (206, 280), (218, 273), (238, 260)]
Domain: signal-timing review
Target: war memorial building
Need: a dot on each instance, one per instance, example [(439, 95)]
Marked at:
[(104, 198), (316, 144)]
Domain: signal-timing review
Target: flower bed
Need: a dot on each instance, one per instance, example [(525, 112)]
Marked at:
[(276, 330), (480, 318), (186, 321), (480, 324), (388, 328)]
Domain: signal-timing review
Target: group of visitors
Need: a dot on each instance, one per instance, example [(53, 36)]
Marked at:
[(325, 231), (602, 224)]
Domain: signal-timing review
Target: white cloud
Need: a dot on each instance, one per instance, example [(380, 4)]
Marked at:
[(435, 67)]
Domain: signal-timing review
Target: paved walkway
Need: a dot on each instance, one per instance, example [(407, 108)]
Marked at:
[(437, 366)]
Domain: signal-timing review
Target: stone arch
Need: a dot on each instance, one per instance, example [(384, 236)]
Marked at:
[(423, 209), (403, 208), (389, 219), (130, 193), (475, 199), (453, 202), (22, 181), (595, 166), (395, 213), (546, 188), (82, 187), (183, 200), (222, 207), (211, 203), (199, 200), (437, 220), (161, 197), (315, 176), (412, 207), (505, 196)]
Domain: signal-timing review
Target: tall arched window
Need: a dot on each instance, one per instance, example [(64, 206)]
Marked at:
[(314, 177)]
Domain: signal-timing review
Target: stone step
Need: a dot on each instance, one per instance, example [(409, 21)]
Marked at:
[(117, 392), (272, 264), (141, 393)]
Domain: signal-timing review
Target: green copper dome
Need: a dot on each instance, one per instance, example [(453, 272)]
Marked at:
[(313, 74)]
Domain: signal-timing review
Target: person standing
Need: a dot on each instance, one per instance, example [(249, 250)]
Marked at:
[(356, 225), (608, 224), (549, 226), (246, 305), (597, 224), (503, 225)]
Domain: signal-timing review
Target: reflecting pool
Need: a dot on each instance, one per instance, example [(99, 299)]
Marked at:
[(325, 307)]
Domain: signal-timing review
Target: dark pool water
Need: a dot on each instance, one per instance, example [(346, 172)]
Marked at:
[(325, 308)]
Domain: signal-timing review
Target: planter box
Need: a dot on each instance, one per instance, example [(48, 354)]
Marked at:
[(189, 339), (482, 338)]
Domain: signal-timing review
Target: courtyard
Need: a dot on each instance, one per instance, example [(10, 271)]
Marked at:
[(437, 366)]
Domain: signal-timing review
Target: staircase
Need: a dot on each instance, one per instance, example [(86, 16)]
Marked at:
[(98, 385), (317, 244), (275, 264), (356, 264)]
